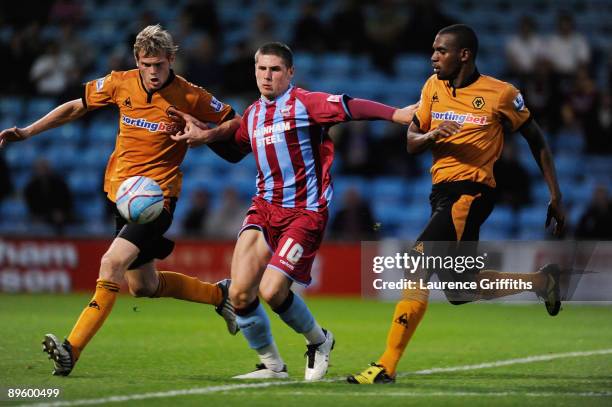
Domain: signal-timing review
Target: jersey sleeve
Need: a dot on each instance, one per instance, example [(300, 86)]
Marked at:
[(101, 92), (512, 107), (325, 108), (422, 117), (209, 109), (235, 148), (241, 138)]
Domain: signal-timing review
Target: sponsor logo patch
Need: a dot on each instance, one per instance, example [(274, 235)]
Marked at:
[(519, 103), (216, 105), (459, 117), (100, 84), (153, 127)]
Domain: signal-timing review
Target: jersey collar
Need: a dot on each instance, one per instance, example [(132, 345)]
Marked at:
[(171, 77), (466, 82), (268, 101)]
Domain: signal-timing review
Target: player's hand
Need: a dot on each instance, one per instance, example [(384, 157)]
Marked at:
[(405, 114), (12, 134), (185, 118), (445, 129), (556, 212)]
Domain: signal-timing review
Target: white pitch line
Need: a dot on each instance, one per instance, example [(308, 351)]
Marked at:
[(230, 387), (438, 394)]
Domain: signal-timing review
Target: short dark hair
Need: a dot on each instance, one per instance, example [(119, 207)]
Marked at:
[(465, 36), (279, 49)]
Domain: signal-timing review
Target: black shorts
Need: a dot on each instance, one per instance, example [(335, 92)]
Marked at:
[(458, 210), (148, 237)]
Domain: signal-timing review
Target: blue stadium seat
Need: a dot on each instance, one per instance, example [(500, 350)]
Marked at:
[(13, 210), (85, 183), (39, 106), (390, 190), (11, 106), (102, 131), (21, 156)]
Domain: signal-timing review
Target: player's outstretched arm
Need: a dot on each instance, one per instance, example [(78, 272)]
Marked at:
[(405, 115), (62, 114), (196, 133), (417, 141), (543, 156)]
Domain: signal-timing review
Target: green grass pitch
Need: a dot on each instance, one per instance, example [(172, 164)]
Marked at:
[(164, 345)]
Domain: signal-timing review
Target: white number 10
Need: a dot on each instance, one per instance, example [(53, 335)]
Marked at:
[(293, 252)]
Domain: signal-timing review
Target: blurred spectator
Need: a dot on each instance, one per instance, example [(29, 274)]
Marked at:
[(347, 28), (596, 222), (352, 144), (567, 49), (52, 71), (6, 184), (239, 72), (202, 65), (354, 220), (48, 197), (426, 19), (64, 11), (582, 106), (204, 13), (194, 223), (542, 93), (24, 48), (385, 28), (70, 43), (227, 219), (600, 141), (513, 182), (262, 31), (309, 32), (525, 49)]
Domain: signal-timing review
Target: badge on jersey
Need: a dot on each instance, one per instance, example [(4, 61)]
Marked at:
[(519, 103), (100, 84), (334, 98), (216, 105)]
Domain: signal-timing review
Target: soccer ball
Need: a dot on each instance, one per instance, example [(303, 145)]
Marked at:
[(140, 199)]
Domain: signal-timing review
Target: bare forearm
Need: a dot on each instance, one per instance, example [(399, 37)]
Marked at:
[(225, 130), (543, 157), (62, 114), (418, 142)]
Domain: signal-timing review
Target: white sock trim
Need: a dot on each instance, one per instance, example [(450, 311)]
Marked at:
[(315, 335), (269, 356)]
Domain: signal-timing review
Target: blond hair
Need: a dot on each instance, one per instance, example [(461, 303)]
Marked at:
[(154, 40)]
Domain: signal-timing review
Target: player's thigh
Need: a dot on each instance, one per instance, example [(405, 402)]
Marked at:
[(117, 258), (142, 281), (251, 255)]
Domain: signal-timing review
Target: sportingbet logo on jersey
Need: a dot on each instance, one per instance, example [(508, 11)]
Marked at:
[(151, 126), (519, 103), (460, 118)]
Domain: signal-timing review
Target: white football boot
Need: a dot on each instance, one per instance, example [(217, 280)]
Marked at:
[(317, 357), (262, 372)]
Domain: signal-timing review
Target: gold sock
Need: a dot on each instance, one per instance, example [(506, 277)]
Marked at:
[(537, 281), (408, 313), (93, 316), (182, 287)]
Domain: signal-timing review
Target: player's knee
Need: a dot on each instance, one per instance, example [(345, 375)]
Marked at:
[(140, 290), (240, 298), (111, 268), (273, 295)]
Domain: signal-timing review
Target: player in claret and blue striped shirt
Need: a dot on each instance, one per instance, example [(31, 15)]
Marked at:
[(286, 130)]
